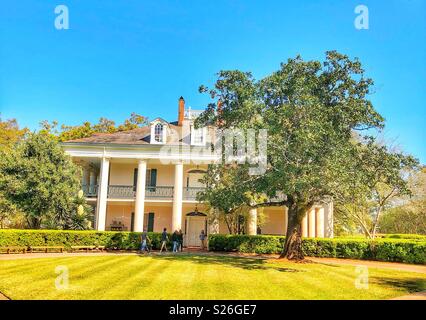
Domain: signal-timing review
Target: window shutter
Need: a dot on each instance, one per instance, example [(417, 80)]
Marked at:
[(151, 222), (135, 179), (153, 177), (148, 178), (132, 221)]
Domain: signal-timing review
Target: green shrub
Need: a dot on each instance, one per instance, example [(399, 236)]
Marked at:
[(109, 239), (397, 250), (420, 237)]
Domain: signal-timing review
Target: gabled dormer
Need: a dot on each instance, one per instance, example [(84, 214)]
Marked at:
[(159, 128), (198, 136)]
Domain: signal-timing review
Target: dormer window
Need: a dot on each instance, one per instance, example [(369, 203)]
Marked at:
[(198, 136), (158, 133)]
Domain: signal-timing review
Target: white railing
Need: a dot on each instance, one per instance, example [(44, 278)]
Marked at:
[(192, 114)]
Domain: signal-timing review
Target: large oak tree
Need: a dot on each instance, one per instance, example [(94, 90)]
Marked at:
[(311, 111)]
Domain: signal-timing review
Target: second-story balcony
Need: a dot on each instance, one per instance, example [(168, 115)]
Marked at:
[(90, 191), (190, 193), (151, 193)]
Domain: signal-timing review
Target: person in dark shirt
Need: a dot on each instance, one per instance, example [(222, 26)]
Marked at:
[(164, 239), (144, 240), (203, 237), (180, 240), (175, 239)]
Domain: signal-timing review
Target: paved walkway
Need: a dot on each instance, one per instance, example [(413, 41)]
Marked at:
[(373, 264)]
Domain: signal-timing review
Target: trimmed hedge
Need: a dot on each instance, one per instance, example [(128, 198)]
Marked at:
[(408, 251), (387, 249), (109, 239), (420, 237)]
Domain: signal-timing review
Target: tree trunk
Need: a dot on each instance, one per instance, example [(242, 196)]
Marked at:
[(375, 224), (34, 222), (292, 249)]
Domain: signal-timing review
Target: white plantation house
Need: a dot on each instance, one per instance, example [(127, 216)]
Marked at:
[(148, 178)]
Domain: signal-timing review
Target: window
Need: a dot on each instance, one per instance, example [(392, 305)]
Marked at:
[(158, 132), (197, 136), (150, 180)]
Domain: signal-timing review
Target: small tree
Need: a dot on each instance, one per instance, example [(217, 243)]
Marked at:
[(224, 195), (408, 214), (378, 178), (81, 218), (40, 180), (10, 133)]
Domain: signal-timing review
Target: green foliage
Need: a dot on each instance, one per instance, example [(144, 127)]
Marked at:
[(41, 181), (81, 219), (10, 133), (409, 216), (311, 110), (245, 243), (109, 239), (103, 126), (395, 196), (405, 236), (403, 250)]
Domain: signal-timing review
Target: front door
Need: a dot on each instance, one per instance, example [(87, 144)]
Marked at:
[(194, 227)]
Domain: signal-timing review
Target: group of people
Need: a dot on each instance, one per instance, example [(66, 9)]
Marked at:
[(177, 240)]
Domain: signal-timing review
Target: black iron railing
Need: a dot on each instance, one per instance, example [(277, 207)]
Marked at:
[(129, 192), (90, 191), (121, 192), (164, 192), (190, 193)]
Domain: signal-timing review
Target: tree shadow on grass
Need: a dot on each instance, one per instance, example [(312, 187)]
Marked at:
[(237, 262), (412, 285)]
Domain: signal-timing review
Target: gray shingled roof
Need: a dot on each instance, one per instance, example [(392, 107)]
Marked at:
[(137, 136)]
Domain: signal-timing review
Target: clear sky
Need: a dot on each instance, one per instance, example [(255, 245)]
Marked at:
[(140, 56)]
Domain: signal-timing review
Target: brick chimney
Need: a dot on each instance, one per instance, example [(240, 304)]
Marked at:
[(181, 111), (219, 111)]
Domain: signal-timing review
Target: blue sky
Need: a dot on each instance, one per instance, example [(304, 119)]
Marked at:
[(139, 56)]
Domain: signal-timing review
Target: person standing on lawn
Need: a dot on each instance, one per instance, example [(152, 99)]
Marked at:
[(144, 240), (175, 240), (203, 240), (164, 239), (180, 239)]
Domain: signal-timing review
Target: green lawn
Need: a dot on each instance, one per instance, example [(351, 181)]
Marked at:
[(197, 277)]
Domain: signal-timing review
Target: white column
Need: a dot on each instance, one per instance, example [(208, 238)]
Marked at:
[(252, 222), (328, 220), (177, 198), (102, 195), (311, 223), (319, 220), (305, 225), (140, 196)]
